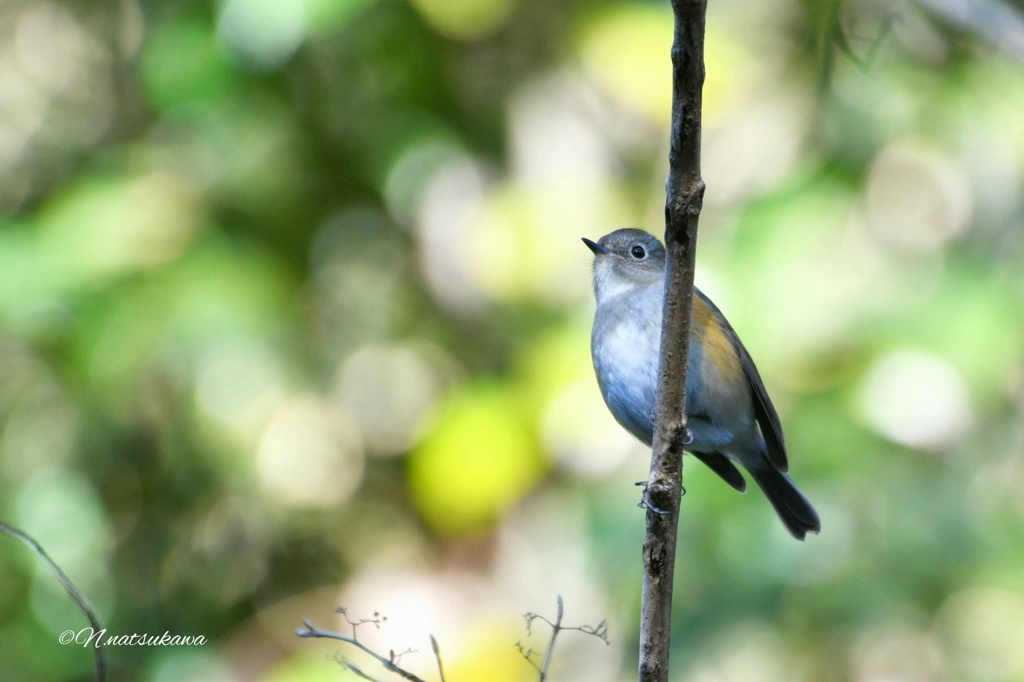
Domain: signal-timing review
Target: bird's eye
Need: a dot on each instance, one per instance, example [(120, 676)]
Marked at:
[(638, 252)]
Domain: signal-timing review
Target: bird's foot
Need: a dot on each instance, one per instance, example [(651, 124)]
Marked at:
[(687, 439), (645, 500)]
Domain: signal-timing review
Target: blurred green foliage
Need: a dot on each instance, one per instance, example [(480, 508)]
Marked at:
[(294, 314)]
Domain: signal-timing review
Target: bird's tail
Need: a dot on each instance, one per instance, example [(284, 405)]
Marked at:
[(793, 508)]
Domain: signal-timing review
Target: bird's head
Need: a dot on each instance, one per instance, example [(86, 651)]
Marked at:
[(626, 260)]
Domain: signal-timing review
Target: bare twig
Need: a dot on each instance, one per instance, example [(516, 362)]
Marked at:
[(600, 631), (528, 654), (375, 621), (685, 194), (874, 44), (389, 663), (397, 658), (349, 665), (437, 655), (99, 657), (836, 38), (555, 629)]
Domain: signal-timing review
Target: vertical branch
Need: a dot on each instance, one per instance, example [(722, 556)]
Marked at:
[(555, 629), (437, 655), (684, 198)]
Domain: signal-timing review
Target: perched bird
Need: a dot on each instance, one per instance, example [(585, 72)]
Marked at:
[(728, 411)]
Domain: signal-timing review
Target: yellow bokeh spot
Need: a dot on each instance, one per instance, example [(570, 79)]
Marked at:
[(312, 669), (552, 363), (465, 19), (628, 49), (500, 243), (491, 656), (478, 462), (525, 245)]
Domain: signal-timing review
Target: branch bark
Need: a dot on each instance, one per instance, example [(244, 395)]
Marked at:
[(684, 198)]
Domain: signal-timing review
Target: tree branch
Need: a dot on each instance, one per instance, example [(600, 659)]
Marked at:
[(684, 198), (99, 657), (356, 670), (390, 664), (600, 631)]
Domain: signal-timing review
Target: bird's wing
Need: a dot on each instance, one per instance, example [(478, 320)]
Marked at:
[(721, 465), (764, 412)]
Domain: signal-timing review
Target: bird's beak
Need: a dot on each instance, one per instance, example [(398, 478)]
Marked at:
[(595, 247)]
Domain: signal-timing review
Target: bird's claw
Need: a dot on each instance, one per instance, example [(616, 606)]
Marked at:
[(645, 501), (687, 439)]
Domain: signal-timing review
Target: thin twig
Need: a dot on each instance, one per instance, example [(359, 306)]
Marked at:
[(528, 654), (397, 658), (389, 664), (865, 63), (99, 657), (375, 621), (437, 655), (349, 665), (684, 199), (834, 37), (600, 631), (555, 629)]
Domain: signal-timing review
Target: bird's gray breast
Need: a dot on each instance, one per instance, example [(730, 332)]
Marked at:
[(624, 345)]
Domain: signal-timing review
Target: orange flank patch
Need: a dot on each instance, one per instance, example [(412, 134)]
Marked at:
[(718, 348)]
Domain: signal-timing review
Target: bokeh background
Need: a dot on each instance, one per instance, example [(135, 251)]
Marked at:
[(294, 315)]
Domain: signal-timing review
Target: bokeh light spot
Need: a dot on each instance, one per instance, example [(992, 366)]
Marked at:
[(309, 668), (39, 433), (626, 50), (582, 435), (916, 198), (408, 176), (62, 510), (106, 227), (895, 652), (477, 463), (986, 627), (55, 48), (525, 246), (264, 33), (487, 656), (465, 19), (184, 62), (195, 666), (239, 384), (310, 455), (390, 391), (327, 15), (448, 214), (916, 399), (750, 652)]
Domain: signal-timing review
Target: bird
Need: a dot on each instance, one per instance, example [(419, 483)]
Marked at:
[(730, 416)]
